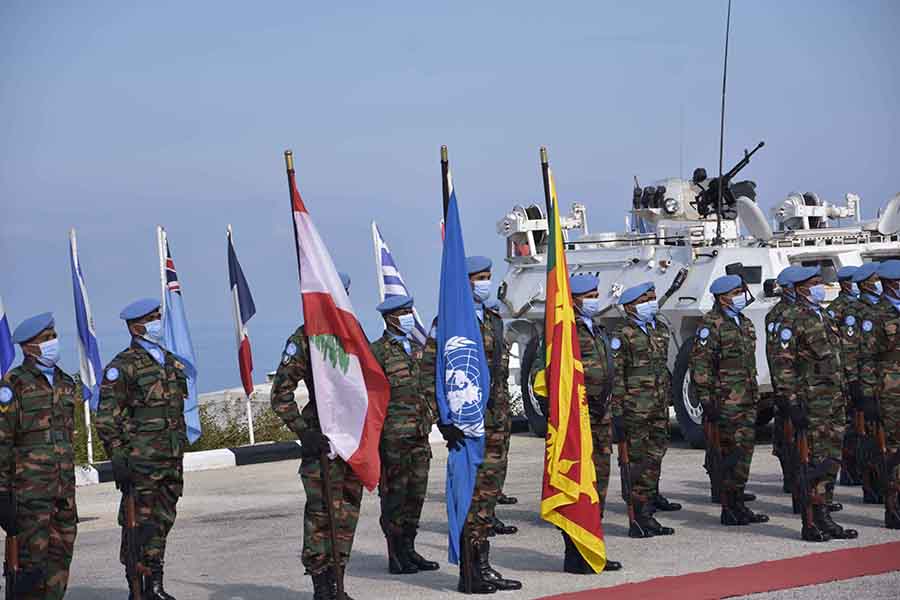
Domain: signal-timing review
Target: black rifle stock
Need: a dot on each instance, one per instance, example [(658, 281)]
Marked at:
[(804, 484), (134, 546)]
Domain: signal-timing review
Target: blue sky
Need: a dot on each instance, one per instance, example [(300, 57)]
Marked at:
[(119, 116)]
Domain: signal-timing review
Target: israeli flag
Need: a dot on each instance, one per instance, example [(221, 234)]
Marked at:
[(7, 350), (88, 350), (463, 380), (390, 281)]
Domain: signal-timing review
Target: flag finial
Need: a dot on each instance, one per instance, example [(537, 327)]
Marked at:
[(289, 160), (544, 159), (444, 153)]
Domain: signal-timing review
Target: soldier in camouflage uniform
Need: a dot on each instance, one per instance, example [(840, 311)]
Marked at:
[(37, 461), (845, 310), (725, 378), (811, 372), (481, 520), (346, 487), (141, 423), (640, 403), (782, 444), (404, 448), (886, 339), (596, 360)]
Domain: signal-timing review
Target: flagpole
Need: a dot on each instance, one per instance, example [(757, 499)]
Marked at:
[(161, 249), (445, 179), (87, 405), (239, 331), (545, 173), (377, 249)]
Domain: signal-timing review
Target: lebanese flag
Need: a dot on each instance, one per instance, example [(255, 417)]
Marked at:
[(244, 309), (352, 392)]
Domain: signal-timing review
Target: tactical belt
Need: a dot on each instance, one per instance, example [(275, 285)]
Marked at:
[(737, 364), (38, 438), (639, 371), (150, 412)]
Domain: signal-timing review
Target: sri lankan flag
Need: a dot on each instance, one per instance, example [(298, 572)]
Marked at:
[(569, 499)]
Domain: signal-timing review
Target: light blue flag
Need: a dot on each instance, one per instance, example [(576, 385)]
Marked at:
[(390, 281), (463, 380), (7, 350), (177, 340), (88, 350)]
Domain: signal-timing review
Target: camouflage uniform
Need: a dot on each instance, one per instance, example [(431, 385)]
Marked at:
[(641, 396), (871, 343), (346, 488), (886, 340), (404, 448), (723, 371), (37, 466), (141, 416), (782, 447), (845, 311), (598, 383)]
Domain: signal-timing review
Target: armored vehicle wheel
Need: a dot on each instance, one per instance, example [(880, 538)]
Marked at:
[(535, 405), (684, 397)]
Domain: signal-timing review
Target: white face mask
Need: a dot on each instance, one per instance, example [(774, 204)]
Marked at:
[(646, 311), (481, 289), (153, 330), (406, 323), (590, 306), (49, 352), (854, 290)]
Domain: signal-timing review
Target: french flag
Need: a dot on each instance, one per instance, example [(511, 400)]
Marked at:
[(244, 309), (7, 350), (352, 392)]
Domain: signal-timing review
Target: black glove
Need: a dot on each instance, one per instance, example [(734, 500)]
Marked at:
[(711, 412), (618, 429), (856, 395), (453, 435), (121, 471), (870, 410), (6, 512), (312, 442), (799, 418)]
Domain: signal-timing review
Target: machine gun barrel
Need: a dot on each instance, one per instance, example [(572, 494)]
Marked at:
[(727, 177)]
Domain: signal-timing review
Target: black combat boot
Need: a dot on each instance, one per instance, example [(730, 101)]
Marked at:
[(745, 496), (811, 531), (409, 548), (823, 520), (731, 514), (892, 511), (153, 584), (830, 504), (573, 562), (470, 579), (501, 528), (752, 517), (482, 558), (662, 503), (639, 527), (322, 587), (398, 561), (332, 584), (504, 499), (647, 522)]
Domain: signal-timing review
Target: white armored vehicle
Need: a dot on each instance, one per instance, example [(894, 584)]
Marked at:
[(681, 235)]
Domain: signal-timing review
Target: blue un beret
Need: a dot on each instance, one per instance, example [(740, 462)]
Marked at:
[(139, 308), (800, 274), (31, 327), (633, 293), (783, 277), (345, 280), (889, 269), (477, 264), (583, 284), (865, 271), (846, 273), (725, 284), (393, 303)]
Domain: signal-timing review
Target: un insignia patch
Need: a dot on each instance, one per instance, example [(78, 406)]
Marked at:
[(703, 333), (6, 395), (786, 335), (849, 320), (290, 349), (771, 327), (831, 313), (615, 343), (112, 374), (867, 326)]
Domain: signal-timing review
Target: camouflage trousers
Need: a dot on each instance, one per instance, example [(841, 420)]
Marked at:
[(648, 440), (825, 437), (157, 487), (602, 441), (346, 497), (488, 482), (737, 436), (890, 411), (849, 458), (47, 530), (404, 482)]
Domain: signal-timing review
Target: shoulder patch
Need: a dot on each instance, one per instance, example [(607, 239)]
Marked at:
[(867, 325), (786, 334), (771, 327), (112, 374), (615, 343), (849, 320), (290, 349), (831, 313), (6, 395), (703, 333)]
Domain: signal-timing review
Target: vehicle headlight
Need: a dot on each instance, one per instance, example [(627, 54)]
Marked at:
[(672, 205)]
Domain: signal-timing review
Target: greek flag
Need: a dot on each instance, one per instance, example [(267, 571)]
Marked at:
[(7, 350), (177, 337), (462, 378), (88, 350), (390, 281)]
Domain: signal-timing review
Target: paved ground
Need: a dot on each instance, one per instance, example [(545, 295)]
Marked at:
[(238, 537)]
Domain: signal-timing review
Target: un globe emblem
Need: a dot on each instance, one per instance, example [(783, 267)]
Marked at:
[(461, 384)]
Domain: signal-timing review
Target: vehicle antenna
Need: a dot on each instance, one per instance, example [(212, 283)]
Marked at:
[(722, 132)]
